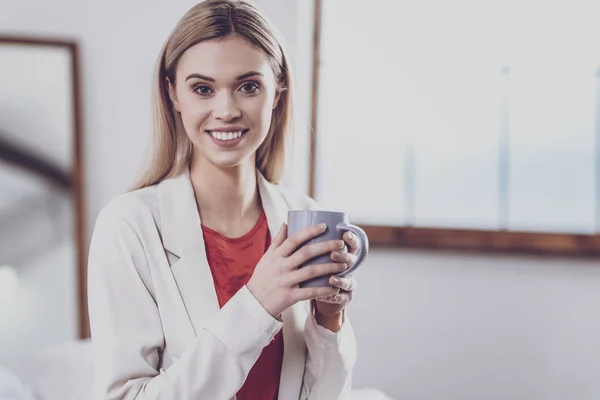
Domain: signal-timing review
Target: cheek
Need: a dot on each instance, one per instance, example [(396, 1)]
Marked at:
[(260, 112), (194, 112)]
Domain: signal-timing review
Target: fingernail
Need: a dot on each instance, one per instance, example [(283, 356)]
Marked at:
[(335, 280), (350, 237), (322, 227), (335, 255), (341, 244)]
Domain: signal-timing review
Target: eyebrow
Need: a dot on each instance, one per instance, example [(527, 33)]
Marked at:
[(208, 78)]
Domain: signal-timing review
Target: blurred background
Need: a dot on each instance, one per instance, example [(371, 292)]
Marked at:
[(470, 132)]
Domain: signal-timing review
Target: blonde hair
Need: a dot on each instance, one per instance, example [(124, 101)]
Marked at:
[(213, 20)]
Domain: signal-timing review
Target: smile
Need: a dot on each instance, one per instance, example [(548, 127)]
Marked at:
[(225, 136)]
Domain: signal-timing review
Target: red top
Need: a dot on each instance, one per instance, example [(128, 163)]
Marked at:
[(232, 262)]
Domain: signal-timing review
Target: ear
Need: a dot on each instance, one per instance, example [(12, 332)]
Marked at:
[(277, 98), (173, 95)]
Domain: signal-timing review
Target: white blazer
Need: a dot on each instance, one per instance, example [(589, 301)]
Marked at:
[(157, 329)]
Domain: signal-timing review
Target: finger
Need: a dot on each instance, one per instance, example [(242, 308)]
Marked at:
[(344, 257), (345, 283), (299, 238), (327, 299), (280, 237), (311, 251), (300, 294), (314, 271), (341, 298), (352, 242)]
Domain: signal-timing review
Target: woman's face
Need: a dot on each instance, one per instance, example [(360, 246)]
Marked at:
[(226, 92)]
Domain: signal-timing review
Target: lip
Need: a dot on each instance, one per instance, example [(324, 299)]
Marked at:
[(227, 144)]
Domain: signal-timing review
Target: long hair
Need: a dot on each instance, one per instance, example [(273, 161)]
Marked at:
[(212, 20)]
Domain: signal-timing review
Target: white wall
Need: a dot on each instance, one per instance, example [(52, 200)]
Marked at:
[(459, 327), (430, 325)]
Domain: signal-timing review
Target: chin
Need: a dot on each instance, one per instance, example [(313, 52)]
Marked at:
[(228, 160)]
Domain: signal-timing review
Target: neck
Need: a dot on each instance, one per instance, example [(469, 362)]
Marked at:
[(225, 194)]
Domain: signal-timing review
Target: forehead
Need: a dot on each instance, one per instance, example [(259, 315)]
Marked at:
[(223, 59)]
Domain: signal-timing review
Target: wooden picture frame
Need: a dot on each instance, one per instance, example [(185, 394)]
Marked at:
[(76, 179)]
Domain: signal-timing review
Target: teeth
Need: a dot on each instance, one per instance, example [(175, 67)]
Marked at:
[(226, 135)]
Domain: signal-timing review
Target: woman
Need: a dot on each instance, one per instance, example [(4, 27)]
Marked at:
[(193, 282)]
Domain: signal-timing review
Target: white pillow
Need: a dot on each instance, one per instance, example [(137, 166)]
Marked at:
[(368, 394), (62, 372), (12, 388)]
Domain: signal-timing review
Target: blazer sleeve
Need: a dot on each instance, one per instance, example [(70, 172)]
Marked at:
[(127, 332), (329, 362)]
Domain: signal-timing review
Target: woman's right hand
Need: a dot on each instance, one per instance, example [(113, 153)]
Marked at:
[(275, 280)]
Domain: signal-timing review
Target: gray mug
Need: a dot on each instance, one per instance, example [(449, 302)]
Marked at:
[(337, 225)]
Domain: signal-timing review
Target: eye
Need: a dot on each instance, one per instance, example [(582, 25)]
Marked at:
[(203, 90), (249, 87)]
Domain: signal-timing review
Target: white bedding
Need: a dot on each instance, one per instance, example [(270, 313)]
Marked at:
[(12, 388), (64, 372)]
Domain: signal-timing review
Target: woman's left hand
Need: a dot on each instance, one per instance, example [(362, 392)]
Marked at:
[(328, 310)]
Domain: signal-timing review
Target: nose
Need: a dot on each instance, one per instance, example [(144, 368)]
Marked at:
[(226, 107)]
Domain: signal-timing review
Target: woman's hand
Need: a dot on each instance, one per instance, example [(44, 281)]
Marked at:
[(275, 280), (328, 310)]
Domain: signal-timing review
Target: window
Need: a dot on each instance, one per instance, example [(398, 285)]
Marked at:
[(461, 124)]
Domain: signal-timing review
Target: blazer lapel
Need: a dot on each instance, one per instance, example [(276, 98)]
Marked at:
[(184, 245), (273, 204)]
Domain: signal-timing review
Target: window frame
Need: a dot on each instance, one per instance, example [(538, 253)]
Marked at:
[(488, 241)]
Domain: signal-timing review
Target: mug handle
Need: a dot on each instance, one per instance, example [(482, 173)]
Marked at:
[(364, 245)]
